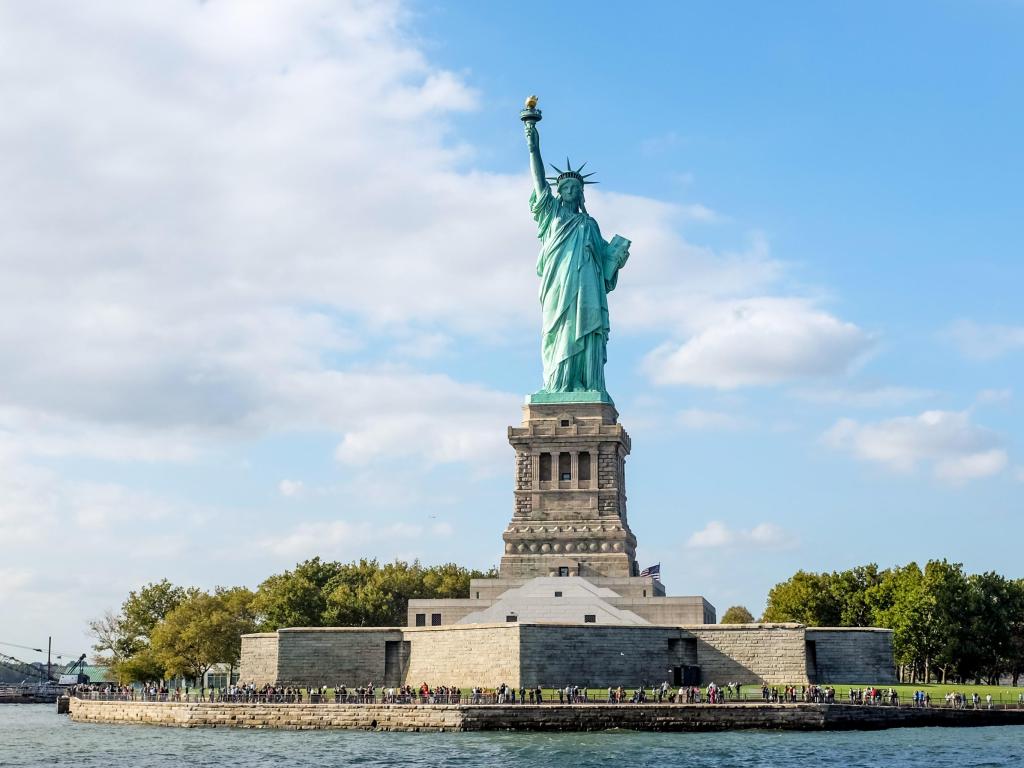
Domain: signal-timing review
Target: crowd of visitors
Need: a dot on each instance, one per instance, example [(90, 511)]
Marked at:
[(505, 694), (958, 700)]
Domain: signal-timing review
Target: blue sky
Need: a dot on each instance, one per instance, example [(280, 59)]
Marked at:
[(268, 285)]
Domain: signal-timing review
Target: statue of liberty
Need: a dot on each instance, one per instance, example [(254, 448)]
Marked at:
[(577, 269)]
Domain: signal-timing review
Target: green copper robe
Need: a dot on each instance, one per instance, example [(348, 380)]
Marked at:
[(577, 269)]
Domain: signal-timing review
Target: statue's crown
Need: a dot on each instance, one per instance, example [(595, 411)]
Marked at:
[(569, 173)]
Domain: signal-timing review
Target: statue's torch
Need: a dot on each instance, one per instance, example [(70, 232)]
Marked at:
[(530, 114)]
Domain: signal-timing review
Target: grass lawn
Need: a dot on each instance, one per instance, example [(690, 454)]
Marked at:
[(1000, 693), (752, 692)]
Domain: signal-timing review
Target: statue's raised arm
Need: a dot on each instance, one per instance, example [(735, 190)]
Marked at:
[(530, 117)]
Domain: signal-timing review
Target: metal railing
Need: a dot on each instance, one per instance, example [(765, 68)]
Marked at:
[(547, 698)]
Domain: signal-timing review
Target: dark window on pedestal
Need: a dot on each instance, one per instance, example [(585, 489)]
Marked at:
[(545, 466), (564, 466), (584, 464), (477, 595), (563, 570), (435, 619), (590, 618), (558, 594), (511, 617), (421, 619), (565, 422)]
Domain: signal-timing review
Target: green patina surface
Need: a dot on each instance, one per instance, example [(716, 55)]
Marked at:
[(582, 396), (577, 269)]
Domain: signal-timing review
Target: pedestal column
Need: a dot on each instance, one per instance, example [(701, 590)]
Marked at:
[(582, 527)]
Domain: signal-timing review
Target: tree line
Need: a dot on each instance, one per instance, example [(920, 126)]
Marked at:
[(165, 631), (948, 625)]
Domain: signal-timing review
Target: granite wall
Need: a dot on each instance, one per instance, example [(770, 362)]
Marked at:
[(585, 717), (601, 656), (850, 655), (259, 658), (350, 656), (381, 717), (553, 655), (751, 653), (464, 654)]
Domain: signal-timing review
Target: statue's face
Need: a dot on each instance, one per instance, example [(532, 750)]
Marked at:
[(571, 191)]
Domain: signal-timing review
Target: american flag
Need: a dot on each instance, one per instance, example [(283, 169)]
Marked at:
[(654, 571)]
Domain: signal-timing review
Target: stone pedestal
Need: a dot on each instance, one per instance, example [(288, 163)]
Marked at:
[(569, 516)]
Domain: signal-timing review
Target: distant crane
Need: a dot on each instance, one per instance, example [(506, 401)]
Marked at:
[(69, 674), (74, 674)]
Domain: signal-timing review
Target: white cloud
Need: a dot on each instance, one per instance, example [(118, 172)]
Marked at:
[(956, 449), (423, 345), (13, 581), (396, 414), (442, 530), (98, 506), (866, 397), (994, 396), (698, 419), (960, 469), (761, 342), (981, 341), (37, 504), (234, 209), (716, 534), (340, 538), (291, 488), (29, 503)]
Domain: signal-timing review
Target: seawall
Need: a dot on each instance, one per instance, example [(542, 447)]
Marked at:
[(547, 717)]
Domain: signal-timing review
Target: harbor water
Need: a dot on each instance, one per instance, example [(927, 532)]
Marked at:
[(34, 735)]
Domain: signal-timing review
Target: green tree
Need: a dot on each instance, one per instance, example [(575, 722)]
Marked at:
[(948, 602), (984, 646), (1013, 654), (144, 609), (123, 639), (296, 598), (204, 630), (367, 594), (849, 590), (901, 602), (945, 623), (805, 598), (737, 614), (111, 643), (141, 666)]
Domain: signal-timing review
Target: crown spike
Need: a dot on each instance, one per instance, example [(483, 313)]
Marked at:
[(570, 173), (582, 167)]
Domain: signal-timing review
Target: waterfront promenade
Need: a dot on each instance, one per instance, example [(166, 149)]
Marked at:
[(526, 717)]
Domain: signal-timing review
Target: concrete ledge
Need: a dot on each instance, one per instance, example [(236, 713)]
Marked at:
[(528, 717)]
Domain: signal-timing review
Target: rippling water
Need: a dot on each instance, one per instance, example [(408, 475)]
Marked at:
[(34, 735)]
